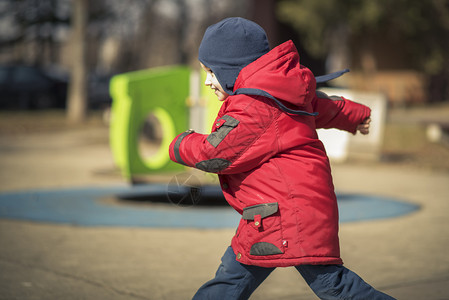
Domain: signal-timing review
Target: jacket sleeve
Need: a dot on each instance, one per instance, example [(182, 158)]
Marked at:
[(233, 146), (338, 112)]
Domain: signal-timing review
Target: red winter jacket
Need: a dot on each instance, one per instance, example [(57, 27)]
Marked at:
[(273, 169)]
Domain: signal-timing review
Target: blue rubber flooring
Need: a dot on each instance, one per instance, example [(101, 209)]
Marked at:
[(87, 207)]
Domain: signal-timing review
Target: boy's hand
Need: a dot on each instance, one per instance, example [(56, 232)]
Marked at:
[(364, 126)]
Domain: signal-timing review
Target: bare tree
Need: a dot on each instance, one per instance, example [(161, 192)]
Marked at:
[(77, 97)]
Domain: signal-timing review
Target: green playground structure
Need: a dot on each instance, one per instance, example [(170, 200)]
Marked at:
[(175, 97)]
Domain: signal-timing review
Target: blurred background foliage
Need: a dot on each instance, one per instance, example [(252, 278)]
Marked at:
[(396, 47), (421, 26)]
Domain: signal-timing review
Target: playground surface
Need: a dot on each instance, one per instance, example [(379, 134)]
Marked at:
[(405, 256)]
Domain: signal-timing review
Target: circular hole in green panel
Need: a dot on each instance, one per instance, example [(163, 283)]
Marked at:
[(156, 133), (150, 137)]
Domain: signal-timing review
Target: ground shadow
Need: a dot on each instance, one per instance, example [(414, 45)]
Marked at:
[(207, 196)]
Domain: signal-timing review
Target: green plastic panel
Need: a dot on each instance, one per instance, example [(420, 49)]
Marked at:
[(161, 92)]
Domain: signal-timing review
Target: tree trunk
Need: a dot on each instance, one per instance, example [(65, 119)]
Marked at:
[(77, 94)]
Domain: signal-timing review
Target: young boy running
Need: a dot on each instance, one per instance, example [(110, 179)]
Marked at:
[(272, 167)]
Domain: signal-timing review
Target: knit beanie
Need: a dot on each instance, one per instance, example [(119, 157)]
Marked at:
[(229, 46)]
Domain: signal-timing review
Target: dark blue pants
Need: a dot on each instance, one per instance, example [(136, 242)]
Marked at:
[(234, 280)]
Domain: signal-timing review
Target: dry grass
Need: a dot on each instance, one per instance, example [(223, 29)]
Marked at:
[(29, 122)]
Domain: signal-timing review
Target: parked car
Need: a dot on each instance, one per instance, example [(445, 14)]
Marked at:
[(26, 87), (98, 91)]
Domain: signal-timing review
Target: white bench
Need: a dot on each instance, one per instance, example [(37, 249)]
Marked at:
[(341, 145)]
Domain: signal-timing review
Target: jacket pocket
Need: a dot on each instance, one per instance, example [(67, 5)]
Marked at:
[(262, 230)]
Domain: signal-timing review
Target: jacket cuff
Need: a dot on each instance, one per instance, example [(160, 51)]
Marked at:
[(174, 148), (359, 113)]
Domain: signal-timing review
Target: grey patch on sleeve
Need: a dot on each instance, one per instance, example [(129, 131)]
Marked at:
[(264, 248), (321, 94), (215, 138), (264, 210), (213, 165), (336, 98)]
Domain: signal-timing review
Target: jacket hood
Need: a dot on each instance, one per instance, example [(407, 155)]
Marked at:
[(280, 74)]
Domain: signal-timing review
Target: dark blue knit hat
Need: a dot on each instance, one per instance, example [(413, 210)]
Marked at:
[(229, 46)]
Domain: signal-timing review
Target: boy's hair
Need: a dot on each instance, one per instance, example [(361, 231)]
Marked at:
[(230, 45)]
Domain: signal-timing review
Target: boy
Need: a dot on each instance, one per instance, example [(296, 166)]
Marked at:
[(272, 167)]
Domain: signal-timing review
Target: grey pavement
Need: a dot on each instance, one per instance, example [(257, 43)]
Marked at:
[(406, 257)]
